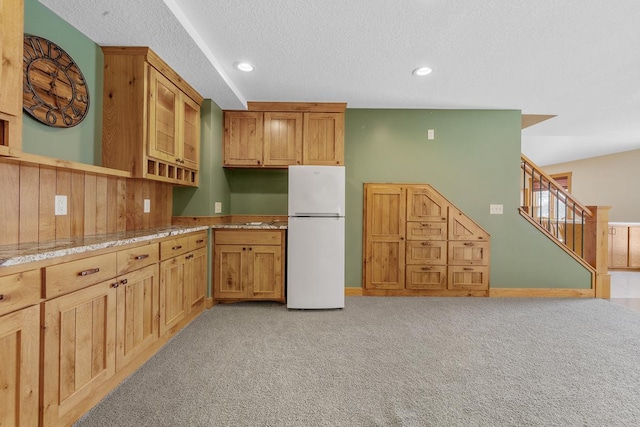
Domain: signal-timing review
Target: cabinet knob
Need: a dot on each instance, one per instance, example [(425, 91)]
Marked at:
[(1, 297), (124, 282), (115, 285)]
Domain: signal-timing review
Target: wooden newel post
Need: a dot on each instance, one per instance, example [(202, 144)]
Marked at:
[(596, 248)]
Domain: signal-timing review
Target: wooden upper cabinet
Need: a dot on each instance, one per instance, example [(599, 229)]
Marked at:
[(11, 40), (323, 140), (190, 136), (151, 118), (243, 138), (276, 135), (163, 117), (282, 139)]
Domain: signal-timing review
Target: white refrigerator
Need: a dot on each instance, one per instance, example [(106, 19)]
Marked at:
[(315, 237)]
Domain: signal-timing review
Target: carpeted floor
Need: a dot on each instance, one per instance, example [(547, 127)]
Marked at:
[(392, 362)]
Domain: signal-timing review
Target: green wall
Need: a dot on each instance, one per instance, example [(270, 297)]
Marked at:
[(83, 142), (473, 161)]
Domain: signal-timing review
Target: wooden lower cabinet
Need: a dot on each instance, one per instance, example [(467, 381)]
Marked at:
[(248, 265), (137, 313), (624, 246), (79, 350), (19, 367), (65, 345), (418, 243), (183, 284), (173, 301)]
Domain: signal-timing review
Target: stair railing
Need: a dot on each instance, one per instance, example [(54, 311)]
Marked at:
[(546, 203)]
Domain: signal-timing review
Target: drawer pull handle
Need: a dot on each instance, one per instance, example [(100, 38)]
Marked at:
[(426, 268), (175, 248), (139, 257), (1, 297), (468, 269), (124, 282), (468, 244), (200, 241), (189, 256), (115, 285), (88, 272), (426, 244)]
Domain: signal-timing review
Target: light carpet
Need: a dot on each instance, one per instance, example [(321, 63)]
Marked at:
[(391, 362)]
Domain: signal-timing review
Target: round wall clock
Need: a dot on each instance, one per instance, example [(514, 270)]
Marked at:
[(55, 91)]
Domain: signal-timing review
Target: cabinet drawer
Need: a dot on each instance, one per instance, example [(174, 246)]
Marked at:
[(135, 258), (64, 278), (468, 253), (174, 247), (426, 252), (248, 237), (426, 231), (426, 277), (197, 240), (468, 278), (19, 290)]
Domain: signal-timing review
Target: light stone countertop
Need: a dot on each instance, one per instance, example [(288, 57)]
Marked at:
[(28, 252), (271, 225)]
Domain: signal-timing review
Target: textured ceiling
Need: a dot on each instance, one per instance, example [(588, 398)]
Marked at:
[(576, 59)]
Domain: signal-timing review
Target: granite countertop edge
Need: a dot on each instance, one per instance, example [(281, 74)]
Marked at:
[(11, 255)]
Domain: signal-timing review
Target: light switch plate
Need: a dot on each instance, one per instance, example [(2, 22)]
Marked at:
[(147, 205), (431, 134), (495, 209), (217, 207), (61, 205)]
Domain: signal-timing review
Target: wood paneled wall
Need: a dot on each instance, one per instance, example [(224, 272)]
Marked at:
[(96, 203)]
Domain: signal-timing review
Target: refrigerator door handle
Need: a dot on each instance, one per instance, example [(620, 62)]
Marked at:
[(324, 214)]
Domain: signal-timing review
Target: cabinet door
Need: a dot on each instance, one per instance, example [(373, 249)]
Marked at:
[(468, 278), (425, 204), (634, 247), (265, 272), (323, 139), (79, 349), (282, 139), (189, 133), (619, 247), (461, 227), (468, 253), (196, 279), (243, 138), (173, 307), (427, 252), (19, 363), (137, 313), (164, 115), (229, 272), (384, 236), (11, 24), (426, 277)]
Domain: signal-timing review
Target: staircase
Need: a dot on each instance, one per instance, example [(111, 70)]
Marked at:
[(579, 230)]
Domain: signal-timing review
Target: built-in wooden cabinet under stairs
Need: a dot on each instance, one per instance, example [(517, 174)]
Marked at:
[(417, 243)]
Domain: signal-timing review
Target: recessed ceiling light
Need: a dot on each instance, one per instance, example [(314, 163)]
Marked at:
[(422, 71), (244, 66)]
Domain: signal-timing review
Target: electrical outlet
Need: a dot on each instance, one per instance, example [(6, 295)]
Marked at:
[(61, 205), (431, 134), (495, 209), (217, 207), (147, 205)]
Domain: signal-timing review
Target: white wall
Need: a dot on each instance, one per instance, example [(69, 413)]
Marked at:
[(611, 180)]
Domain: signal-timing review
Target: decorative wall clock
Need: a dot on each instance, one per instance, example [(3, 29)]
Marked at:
[(55, 91)]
